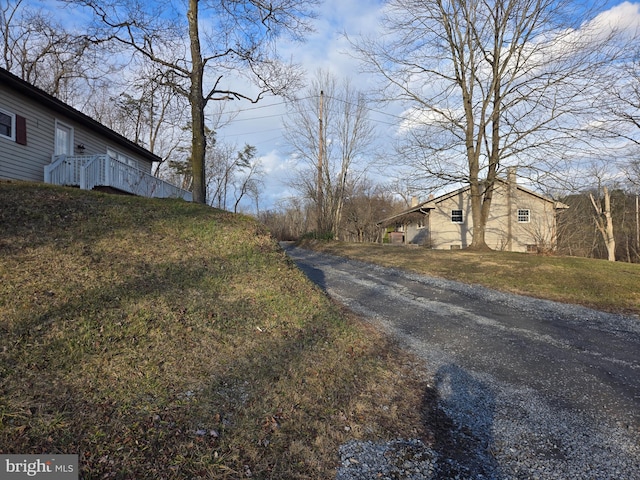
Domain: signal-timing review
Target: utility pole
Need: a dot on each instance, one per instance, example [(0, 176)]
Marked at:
[(320, 193), (637, 226)]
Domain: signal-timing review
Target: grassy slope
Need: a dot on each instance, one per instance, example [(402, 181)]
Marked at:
[(161, 339), (607, 286)]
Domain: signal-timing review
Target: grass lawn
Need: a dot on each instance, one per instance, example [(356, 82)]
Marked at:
[(603, 285), (162, 339)]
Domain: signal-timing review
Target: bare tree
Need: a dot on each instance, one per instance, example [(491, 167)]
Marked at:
[(602, 172), (628, 113), (343, 134), (45, 53), (290, 220), (232, 175), (248, 179), (227, 40), (488, 84), (604, 222), (143, 109), (620, 103), (365, 206), (220, 166)]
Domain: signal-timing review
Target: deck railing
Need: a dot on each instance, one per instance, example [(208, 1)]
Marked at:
[(90, 171)]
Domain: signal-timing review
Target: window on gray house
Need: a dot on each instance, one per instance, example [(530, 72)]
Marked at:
[(6, 125), (456, 216)]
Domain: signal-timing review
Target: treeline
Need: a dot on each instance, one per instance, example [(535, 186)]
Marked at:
[(298, 219), (578, 233)]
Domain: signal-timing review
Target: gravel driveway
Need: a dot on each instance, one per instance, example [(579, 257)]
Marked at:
[(531, 388)]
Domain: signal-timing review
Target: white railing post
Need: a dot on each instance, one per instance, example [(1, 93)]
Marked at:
[(83, 176), (48, 169), (107, 170), (64, 172)]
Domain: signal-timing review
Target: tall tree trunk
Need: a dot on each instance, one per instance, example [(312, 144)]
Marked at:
[(604, 223), (196, 99), (342, 187)]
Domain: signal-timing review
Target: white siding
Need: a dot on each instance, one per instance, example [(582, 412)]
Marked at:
[(26, 162), (446, 234), (539, 231)]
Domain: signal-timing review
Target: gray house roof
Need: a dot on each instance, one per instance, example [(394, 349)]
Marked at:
[(43, 98)]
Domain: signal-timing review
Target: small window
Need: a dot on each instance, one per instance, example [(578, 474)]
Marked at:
[(7, 125), (422, 222), (456, 216), (121, 157), (524, 215)]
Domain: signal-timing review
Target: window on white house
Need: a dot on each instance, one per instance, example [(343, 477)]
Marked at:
[(422, 222), (524, 215), (456, 216), (7, 125), (121, 157)]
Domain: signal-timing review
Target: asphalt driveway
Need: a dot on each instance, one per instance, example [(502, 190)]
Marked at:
[(544, 389)]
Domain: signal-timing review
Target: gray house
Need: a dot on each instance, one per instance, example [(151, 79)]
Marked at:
[(43, 139), (520, 220)]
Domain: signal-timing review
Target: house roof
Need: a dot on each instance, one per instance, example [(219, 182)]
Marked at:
[(43, 98), (421, 208)]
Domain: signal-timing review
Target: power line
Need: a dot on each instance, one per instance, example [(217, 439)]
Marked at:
[(254, 133), (369, 108), (284, 114), (306, 98)]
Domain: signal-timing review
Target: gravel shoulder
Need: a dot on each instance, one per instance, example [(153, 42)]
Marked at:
[(525, 388)]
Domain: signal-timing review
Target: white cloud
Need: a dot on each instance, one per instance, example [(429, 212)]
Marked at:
[(623, 17), (417, 118)]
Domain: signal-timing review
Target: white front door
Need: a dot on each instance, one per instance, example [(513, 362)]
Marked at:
[(64, 139)]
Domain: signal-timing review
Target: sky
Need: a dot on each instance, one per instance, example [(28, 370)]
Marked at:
[(327, 49)]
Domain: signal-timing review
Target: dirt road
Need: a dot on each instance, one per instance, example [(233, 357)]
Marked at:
[(542, 389)]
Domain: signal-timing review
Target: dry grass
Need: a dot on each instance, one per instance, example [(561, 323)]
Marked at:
[(607, 286), (161, 339)]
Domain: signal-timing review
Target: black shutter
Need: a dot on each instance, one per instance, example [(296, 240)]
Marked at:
[(21, 130)]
